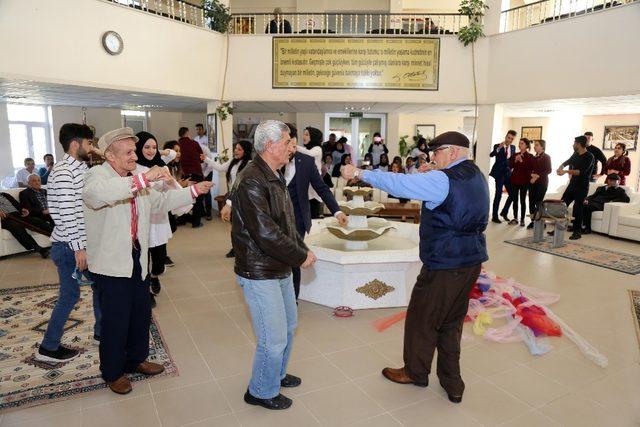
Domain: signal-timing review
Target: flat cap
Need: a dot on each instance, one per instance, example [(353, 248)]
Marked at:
[(613, 176), (115, 135), (449, 138)]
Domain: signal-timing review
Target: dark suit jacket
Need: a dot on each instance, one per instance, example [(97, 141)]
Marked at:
[(307, 174), (30, 202), (500, 168), (604, 195)]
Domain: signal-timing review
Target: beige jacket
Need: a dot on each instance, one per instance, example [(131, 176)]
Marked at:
[(107, 212)]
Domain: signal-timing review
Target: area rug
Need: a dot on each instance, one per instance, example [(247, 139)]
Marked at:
[(613, 260), (24, 382), (635, 308)]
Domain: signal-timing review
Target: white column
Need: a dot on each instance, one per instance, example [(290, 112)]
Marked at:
[(489, 132), (395, 6), (492, 17), (219, 180), (6, 162)]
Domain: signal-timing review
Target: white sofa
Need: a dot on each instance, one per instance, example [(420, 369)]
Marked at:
[(8, 244), (625, 220), (601, 221)]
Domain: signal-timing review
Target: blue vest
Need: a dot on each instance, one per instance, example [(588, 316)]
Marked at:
[(452, 234)]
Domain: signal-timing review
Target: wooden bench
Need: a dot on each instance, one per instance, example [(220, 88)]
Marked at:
[(559, 227)]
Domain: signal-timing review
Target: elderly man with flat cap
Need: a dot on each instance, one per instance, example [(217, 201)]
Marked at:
[(455, 211), (118, 206)]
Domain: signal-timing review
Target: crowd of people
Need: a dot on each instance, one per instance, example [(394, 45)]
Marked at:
[(521, 172)]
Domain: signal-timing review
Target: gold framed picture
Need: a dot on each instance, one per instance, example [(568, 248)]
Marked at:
[(532, 133)]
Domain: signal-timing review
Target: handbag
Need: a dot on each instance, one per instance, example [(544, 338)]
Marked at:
[(551, 208)]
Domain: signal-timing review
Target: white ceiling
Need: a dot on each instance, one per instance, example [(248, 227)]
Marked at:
[(31, 92)]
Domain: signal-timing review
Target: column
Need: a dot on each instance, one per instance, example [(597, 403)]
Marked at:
[(224, 128), (489, 132), (492, 17)]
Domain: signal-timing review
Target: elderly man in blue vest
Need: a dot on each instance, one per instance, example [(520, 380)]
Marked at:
[(455, 212)]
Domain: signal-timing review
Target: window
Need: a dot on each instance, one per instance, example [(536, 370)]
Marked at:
[(29, 133), (136, 120)]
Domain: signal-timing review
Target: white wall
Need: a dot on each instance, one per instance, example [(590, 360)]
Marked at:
[(60, 42)]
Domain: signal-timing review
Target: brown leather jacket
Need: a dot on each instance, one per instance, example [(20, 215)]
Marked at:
[(263, 231)]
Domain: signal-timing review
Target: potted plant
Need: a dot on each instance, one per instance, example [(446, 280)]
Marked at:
[(403, 146), (468, 35), (217, 15)]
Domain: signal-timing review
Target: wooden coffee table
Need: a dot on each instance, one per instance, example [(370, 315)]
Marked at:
[(401, 210)]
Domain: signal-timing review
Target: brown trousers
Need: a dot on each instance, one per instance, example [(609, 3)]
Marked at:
[(436, 312)]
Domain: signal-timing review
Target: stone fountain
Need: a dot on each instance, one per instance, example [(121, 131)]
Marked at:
[(370, 263)]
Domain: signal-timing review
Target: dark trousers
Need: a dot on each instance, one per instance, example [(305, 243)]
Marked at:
[(315, 208), (576, 195), (198, 210), (520, 195), (295, 271), (18, 225), (173, 223), (501, 182), (587, 212), (436, 312), (125, 304), (207, 197), (158, 256), (536, 196)]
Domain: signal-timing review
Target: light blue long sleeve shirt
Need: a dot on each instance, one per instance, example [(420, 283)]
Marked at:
[(430, 187)]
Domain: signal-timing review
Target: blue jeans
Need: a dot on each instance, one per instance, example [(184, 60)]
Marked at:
[(68, 296), (272, 304)]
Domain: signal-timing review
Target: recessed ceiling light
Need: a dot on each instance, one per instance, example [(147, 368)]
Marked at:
[(135, 94)]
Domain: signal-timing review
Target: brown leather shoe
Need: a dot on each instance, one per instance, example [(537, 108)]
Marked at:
[(398, 375), (150, 368), (121, 385)]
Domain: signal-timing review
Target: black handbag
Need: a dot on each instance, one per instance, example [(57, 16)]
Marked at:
[(550, 208)]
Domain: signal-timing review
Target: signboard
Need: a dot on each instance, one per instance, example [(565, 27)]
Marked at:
[(356, 114), (356, 63)]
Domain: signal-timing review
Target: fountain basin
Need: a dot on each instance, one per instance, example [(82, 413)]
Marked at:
[(353, 208), (375, 227), (374, 274)]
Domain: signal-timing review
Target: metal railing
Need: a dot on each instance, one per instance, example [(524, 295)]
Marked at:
[(347, 23), (545, 11), (174, 9)]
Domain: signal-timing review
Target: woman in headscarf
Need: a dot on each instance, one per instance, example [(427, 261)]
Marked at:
[(312, 140), (160, 230), (339, 150), (384, 165), (377, 148), (242, 155), (420, 150)]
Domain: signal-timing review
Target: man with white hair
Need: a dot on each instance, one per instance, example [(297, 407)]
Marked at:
[(455, 211), (34, 199), (267, 246), (118, 207)]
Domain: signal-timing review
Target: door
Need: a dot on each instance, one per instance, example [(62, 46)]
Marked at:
[(358, 131)]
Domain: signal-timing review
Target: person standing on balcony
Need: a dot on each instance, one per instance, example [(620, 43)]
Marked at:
[(191, 162), (278, 24), (598, 156), (501, 174), (455, 210)]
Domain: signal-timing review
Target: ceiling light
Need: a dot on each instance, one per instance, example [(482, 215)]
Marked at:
[(135, 94)]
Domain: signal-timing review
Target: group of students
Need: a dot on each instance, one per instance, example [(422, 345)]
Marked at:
[(522, 172)]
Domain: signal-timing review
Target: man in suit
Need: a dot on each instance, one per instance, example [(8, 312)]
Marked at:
[(606, 194), (17, 221), (34, 199), (501, 173)]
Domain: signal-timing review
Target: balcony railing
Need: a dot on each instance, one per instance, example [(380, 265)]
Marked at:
[(347, 23), (173, 9), (545, 11)]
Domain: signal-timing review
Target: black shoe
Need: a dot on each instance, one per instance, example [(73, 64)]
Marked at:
[(454, 399), (551, 233), (44, 252), (209, 217), (570, 228), (530, 226), (513, 222), (575, 236), (277, 403), (231, 254), (290, 381), (521, 223), (169, 262), (155, 285), (505, 217), (62, 354), (197, 225), (586, 231), (496, 220), (153, 301)]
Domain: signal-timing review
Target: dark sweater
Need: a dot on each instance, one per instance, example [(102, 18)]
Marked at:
[(606, 194), (599, 157), (541, 165), (521, 171), (622, 164), (190, 157), (585, 164)]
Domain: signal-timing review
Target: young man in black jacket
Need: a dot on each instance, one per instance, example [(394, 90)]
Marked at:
[(606, 194)]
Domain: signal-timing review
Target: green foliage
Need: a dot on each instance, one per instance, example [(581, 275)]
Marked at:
[(474, 10), (218, 15), (403, 147), (224, 111)]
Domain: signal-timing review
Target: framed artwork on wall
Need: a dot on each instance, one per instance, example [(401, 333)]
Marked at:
[(428, 132), (212, 132), (532, 133), (627, 135)]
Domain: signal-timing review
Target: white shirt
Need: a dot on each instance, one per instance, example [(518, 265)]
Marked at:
[(22, 176), (203, 141), (316, 153)]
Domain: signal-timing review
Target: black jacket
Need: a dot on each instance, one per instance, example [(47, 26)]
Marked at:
[(604, 195), (307, 174), (263, 230), (30, 202)]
